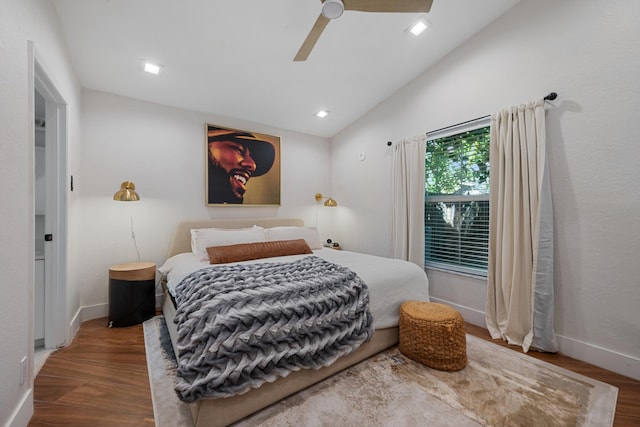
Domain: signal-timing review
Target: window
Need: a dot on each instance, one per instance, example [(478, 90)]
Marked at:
[(457, 198)]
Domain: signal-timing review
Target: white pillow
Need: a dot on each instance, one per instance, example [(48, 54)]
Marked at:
[(309, 234), (171, 263), (202, 238)]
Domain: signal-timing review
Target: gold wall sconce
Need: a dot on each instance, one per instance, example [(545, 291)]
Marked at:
[(328, 202), (127, 193)]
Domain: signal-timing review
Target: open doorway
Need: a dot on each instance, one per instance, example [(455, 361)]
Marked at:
[(50, 213), (40, 207)]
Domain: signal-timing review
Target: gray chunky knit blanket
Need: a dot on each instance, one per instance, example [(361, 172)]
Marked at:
[(240, 326)]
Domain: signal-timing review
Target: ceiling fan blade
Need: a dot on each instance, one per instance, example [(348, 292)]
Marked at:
[(311, 39), (388, 5)]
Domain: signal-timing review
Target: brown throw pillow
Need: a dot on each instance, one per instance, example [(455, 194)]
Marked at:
[(249, 251)]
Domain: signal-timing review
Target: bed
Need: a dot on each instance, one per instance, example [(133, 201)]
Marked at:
[(390, 282)]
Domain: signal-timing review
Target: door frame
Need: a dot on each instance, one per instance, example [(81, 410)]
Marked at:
[(55, 330)]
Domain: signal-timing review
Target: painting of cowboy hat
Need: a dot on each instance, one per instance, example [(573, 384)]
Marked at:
[(243, 167)]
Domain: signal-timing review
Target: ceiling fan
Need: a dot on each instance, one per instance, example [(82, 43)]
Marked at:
[(332, 9)]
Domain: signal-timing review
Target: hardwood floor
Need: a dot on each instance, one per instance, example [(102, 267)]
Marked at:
[(101, 380)]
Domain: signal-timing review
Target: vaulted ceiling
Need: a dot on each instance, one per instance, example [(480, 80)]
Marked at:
[(235, 57)]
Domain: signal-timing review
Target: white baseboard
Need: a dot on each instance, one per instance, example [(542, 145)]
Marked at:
[(90, 312), (74, 326), (23, 413), (471, 315), (96, 311), (606, 359), (83, 314)]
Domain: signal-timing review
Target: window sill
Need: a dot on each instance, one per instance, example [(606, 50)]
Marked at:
[(458, 273)]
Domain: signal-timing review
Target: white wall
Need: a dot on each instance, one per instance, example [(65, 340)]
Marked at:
[(588, 52), (21, 21), (162, 150)]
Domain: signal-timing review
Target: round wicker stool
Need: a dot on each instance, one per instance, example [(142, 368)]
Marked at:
[(433, 334)]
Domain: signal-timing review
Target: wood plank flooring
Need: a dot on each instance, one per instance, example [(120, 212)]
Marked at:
[(101, 380)]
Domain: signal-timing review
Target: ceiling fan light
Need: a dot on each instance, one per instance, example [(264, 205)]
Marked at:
[(332, 9)]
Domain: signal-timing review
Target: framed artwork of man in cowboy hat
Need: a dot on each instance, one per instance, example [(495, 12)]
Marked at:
[(243, 168)]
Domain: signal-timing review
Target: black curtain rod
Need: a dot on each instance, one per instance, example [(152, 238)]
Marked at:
[(550, 97), (389, 143)]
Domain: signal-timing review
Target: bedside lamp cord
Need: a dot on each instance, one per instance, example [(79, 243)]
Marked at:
[(133, 236)]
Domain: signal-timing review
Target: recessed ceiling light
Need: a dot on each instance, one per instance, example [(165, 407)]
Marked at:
[(417, 28), (322, 114), (151, 68)]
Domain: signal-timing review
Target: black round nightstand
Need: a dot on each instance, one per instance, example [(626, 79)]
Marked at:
[(131, 293)]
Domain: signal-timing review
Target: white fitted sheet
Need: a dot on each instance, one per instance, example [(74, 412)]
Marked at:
[(390, 281)]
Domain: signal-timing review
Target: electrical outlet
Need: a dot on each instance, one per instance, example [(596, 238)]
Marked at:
[(23, 370)]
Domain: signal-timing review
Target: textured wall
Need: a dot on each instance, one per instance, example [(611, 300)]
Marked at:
[(161, 149), (589, 52), (20, 22)]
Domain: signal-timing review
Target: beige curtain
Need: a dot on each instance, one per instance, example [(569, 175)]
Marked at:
[(407, 192), (519, 305)]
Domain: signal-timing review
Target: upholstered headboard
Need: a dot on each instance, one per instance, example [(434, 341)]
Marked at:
[(182, 236)]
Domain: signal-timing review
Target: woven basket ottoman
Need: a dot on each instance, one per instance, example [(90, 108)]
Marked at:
[(433, 334)]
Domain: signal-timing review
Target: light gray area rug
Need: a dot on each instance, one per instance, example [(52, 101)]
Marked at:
[(499, 387)]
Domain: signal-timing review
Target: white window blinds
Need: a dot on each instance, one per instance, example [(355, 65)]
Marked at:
[(457, 198)]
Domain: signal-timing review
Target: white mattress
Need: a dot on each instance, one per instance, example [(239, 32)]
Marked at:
[(390, 281)]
